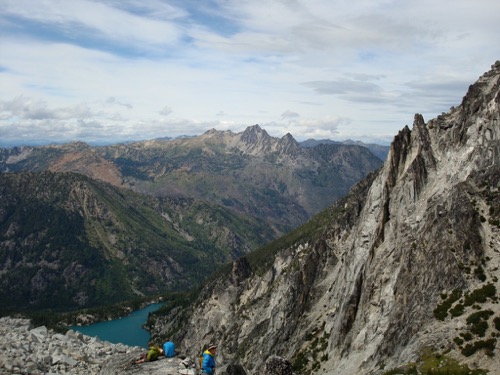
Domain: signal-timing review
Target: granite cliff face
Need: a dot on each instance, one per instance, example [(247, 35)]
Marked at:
[(399, 266)]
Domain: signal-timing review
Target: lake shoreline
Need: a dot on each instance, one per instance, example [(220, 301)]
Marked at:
[(95, 315), (128, 330)]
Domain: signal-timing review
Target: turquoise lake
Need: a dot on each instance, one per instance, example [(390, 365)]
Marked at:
[(127, 330)]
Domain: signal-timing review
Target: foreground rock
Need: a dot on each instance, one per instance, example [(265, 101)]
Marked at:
[(121, 364), (28, 350)]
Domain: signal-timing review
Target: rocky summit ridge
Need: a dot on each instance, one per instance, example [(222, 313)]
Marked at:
[(272, 179), (25, 349), (252, 141), (407, 263)]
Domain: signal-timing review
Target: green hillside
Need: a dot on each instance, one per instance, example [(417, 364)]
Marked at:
[(67, 241)]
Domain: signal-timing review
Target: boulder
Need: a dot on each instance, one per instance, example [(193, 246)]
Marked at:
[(278, 366)]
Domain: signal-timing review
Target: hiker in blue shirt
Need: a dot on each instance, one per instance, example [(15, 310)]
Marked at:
[(169, 349), (208, 365)]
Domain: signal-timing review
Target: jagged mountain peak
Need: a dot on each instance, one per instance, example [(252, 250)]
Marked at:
[(481, 99), (465, 130), (211, 131), (288, 138), (287, 144), (255, 140), (215, 132), (254, 131)]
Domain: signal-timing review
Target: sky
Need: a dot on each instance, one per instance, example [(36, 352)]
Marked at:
[(112, 71)]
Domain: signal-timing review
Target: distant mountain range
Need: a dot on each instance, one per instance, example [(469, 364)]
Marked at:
[(86, 226), (379, 151), (252, 173)]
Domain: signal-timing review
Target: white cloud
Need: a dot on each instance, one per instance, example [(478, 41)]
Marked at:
[(343, 86), (34, 109), (110, 101), (302, 129), (84, 68), (166, 111), (76, 19), (289, 115)]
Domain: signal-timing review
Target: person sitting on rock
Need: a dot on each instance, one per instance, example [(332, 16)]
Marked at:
[(169, 349), (208, 365), (152, 354)]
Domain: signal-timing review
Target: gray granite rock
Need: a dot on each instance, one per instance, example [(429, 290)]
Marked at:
[(28, 350)]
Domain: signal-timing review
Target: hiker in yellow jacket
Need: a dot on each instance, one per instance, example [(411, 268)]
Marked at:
[(208, 365)]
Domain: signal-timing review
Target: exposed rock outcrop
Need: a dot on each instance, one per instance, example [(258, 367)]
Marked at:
[(25, 349), (361, 287)]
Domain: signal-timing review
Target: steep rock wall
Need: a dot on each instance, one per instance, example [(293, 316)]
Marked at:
[(360, 295)]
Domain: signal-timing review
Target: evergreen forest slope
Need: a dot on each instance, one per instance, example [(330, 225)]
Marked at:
[(68, 241)]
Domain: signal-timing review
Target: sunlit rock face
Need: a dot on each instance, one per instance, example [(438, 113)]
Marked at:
[(359, 288)]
